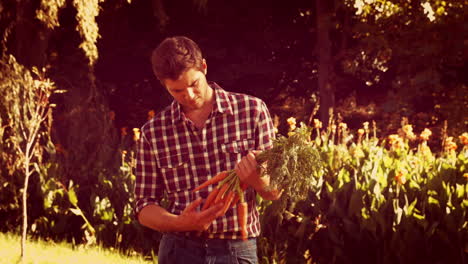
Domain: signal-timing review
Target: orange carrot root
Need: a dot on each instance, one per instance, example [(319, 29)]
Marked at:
[(222, 191), (210, 199), (219, 177), (227, 202), (242, 218)]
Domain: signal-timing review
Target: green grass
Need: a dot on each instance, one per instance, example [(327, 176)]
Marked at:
[(42, 252)]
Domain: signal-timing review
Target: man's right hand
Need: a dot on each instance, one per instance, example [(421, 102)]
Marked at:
[(158, 218), (192, 219)]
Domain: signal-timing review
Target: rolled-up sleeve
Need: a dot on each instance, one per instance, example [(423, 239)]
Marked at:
[(149, 185)]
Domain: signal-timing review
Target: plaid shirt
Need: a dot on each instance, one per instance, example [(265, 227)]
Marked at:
[(174, 156)]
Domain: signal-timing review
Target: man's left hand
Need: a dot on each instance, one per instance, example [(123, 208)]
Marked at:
[(249, 172)]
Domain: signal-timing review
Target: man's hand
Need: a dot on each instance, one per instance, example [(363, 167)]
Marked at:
[(249, 172), (192, 219), (158, 218)]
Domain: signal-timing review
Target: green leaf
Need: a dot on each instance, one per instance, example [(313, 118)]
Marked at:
[(377, 190), (464, 204), (387, 161), (414, 185), (460, 191), (432, 200), (398, 214), (418, 216), (72, 197), (411, 207), (76, 211), (365, 213)]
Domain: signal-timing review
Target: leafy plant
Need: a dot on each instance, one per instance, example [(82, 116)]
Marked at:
[(26, 115), (379, 201)]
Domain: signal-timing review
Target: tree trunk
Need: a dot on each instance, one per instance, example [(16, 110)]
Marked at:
[(25, 205), (326, 89)]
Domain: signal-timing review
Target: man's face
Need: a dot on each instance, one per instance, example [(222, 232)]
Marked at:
[(191, 90)]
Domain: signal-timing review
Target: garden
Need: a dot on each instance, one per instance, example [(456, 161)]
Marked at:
[(369, 101)]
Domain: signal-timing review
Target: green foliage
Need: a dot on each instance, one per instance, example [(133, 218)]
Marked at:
[(375, 205), (88, 10), (292, 164), (48, 12), (26, 109), (391, 48), (83, 189)]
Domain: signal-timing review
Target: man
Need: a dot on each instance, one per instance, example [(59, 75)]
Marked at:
[(204, 131)]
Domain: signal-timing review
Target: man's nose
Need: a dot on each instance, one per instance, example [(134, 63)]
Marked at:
[(190, 93)]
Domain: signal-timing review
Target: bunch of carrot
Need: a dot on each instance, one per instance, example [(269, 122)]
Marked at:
[(230, 192)]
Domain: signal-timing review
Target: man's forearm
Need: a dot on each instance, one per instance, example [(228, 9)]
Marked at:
[(158, 218)]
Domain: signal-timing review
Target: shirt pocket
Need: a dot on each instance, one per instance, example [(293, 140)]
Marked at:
[(235, 150), (176, 172)]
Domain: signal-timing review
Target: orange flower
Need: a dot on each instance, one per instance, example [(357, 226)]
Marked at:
[(343, 126), (317, 123), (292, 123), (450, 145), (136, 134), (464, 138), (360, 134), (425, 134), (112, 115), (366, 126), (400, 177), (151, 114), (123, 131), (395, 141), (408, 130)]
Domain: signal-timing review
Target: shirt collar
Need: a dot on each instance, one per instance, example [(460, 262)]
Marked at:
[(222, 103), (222, 100)]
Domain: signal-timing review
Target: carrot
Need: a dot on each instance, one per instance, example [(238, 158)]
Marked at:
[(242, 219), (235, 200), (211, 197), (227, 202), (221, 192), (220, 176)]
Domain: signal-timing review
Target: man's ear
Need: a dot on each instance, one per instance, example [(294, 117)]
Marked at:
[(205, 67)]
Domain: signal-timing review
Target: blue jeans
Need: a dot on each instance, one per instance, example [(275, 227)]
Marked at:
[(177, 249)]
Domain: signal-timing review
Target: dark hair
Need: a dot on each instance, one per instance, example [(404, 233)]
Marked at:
[(174, 56)]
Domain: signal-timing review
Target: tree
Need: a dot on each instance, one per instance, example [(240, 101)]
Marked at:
[(324, 52), (26, 116)]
